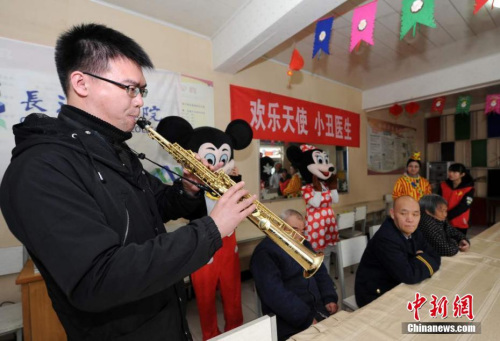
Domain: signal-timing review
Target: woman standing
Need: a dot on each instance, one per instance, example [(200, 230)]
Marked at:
[(411, 183), (292, 190), (458, 190)]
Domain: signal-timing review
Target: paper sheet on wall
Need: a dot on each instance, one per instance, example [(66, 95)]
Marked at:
[(389, 146)]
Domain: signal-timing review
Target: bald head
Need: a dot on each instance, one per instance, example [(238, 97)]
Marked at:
[(406, 214)]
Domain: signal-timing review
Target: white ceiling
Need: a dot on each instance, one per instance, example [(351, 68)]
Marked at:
[(242, 31)]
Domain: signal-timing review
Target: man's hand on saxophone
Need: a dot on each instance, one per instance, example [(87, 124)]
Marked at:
[(230, 209), (189, 187)]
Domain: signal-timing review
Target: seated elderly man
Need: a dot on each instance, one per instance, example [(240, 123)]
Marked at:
[(296, 301), (445, 239), (397, 253)]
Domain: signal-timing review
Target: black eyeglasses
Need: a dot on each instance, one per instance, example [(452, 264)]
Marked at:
[(131, 90)]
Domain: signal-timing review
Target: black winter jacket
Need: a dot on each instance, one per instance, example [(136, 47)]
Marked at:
[(284, 291), (390, 259), (92, 221)]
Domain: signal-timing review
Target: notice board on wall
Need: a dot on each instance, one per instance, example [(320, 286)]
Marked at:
[(390, 145)]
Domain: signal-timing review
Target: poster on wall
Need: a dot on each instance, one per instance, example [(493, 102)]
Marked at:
[(30, 85), (389, 147)]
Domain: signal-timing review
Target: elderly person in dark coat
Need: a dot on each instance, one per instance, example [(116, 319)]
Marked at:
[(397, 253), (438, 232), (296, 301)]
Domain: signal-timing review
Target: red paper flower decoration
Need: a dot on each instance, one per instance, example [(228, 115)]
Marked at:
[(412, 108), (396, 110)]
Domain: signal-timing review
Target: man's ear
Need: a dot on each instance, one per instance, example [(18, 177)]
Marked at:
[(78, 84), (391, 212)]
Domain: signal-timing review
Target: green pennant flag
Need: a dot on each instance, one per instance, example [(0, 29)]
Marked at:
[(416, 12), (463, 105)]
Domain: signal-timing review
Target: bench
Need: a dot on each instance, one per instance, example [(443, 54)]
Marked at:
[(11, 320)]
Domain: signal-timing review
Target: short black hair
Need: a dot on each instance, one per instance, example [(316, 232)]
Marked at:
[(90, 47), (457, 167), (430, 202), (413, 160)]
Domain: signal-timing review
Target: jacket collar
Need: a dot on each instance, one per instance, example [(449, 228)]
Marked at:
[(81, 119)]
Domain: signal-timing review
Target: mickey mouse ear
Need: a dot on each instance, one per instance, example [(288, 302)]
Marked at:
[(294, 154), (240, 132), (175, 129)]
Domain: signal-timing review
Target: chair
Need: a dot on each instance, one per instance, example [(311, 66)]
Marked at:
[(372, 230), (349, 252), (388, 203), (188, 285), (11, 315), (258, 303), (360, 216), (345, 225), (11, 321)]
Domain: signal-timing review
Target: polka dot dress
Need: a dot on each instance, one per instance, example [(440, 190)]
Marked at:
[(320, 221)]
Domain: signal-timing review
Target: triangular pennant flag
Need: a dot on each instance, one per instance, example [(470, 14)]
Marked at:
[(463, 105), (492, 104), (322, 36), (438, 104), (363, 23), (296, 62), (478, 5), (416, 12)]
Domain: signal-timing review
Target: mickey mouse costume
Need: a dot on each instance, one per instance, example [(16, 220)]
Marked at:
[(319, 193), (223, 270)]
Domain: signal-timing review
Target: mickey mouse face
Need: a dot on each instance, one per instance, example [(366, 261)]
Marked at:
[(321, 167), (214, 155)]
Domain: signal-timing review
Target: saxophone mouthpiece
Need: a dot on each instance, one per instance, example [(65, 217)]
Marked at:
[(143, 123)]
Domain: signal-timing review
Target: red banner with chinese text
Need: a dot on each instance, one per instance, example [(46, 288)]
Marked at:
[(282, 118)]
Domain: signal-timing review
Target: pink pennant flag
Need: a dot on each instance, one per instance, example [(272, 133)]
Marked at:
[(492, 104), (363, 23)]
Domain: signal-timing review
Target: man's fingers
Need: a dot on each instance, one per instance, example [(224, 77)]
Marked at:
[(247, 202), (231, 191), (247, 211)]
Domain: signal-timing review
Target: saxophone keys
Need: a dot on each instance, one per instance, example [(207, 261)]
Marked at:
[(264, 224)]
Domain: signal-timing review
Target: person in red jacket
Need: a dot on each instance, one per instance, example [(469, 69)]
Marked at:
[(458, 190)]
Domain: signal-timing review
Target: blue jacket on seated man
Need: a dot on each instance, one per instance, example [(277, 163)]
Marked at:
[(296, 301), (397, 253)]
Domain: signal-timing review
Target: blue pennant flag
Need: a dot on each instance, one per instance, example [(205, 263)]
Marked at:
[(322, 36)]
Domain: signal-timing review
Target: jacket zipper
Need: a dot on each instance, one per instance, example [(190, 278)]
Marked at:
[(126, 229)]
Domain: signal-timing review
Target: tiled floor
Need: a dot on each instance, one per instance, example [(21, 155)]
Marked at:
[(249, 300)]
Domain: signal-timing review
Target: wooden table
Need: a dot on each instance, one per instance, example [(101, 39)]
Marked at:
[(476, 272), (39, 318)]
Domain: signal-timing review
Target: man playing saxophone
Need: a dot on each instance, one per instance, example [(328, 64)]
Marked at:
[(89, 215)]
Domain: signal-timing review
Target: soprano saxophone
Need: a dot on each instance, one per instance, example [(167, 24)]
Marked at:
[(219, 182)]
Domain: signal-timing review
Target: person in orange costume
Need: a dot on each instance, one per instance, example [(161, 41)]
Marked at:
[(411, 183), (223, 270)]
